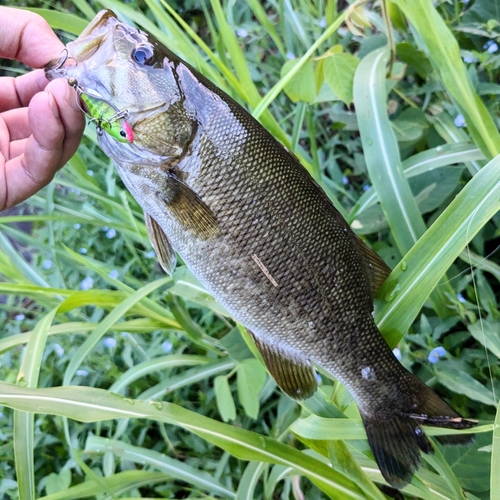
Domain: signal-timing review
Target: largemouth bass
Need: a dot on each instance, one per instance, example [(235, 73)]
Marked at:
[(257, 231)]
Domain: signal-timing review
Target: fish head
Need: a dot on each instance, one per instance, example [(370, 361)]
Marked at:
[(135, 76)]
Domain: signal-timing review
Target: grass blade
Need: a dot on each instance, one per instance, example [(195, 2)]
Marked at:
[(381, 151), (174, 468), (93, 405), (407, 288), (23, 431), (443, 52), (105, 324)]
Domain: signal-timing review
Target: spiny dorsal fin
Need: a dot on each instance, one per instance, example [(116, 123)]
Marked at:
[(163, 248), (292, 372), (376, 269), (188, 208)]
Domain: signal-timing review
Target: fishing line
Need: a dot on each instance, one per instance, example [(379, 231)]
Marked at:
[(477, 265), (479, 307)]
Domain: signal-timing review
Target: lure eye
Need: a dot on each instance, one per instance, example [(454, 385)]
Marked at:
[(144, 54)]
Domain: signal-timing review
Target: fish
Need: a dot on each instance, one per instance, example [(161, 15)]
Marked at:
[(258, 232)]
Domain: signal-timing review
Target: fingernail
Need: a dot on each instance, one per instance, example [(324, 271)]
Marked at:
[(53, 105)]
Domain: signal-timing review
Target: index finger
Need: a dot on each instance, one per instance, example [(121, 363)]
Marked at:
[(27, 37)]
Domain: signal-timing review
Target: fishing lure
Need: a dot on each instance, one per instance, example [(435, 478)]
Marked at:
[(107, 117)]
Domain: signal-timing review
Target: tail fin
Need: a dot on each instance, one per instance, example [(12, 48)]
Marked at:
[(397, 438)]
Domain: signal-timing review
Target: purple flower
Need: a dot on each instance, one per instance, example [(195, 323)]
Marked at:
[(460, 121), (110, 342), (87, 283), (90, 172), (397, 352), (242, 32), (113, 274), (19, 317), (436, 354), (82, 373), (77, 226), (290, 55), (470, 59), (83, 250), (150, 255), (167, 346), (493, 48), (47, 264), (322, 23), (110, 233), (461, 298), (345, 181), (366, 187)]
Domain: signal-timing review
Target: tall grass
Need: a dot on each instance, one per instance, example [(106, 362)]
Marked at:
[(119, 382)]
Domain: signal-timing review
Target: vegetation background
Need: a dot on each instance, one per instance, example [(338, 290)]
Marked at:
[(119, 382)]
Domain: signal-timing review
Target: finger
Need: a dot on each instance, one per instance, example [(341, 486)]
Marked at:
[(71, 116), (17, 92), (57, 128), (27, 37), (16, 124), (16, 148)]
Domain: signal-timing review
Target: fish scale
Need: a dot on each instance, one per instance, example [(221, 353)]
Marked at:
[(258, 232)]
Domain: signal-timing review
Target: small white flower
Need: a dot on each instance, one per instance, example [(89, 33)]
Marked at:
[(110, 233), (90, 172), (113, 274), (77, 226), (150, 255), (47, 264), (83, 250), (290, 55), (82, 373), (19, 317), (242, 32)]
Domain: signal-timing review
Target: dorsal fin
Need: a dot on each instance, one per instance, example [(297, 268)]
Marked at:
[(375, 268), (188, 208), (292, 372), (163, 248)]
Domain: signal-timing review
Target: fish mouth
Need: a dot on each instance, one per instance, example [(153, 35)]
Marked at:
[(85, 46)]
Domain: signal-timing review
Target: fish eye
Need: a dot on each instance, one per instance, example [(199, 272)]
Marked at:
[(123, 133), (144, 54)]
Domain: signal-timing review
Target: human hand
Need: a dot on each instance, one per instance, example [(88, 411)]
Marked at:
[(40, 122)]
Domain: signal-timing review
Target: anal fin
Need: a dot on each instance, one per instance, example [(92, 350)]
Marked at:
[(188, 208), (163, 248), (292, 372), (376, 269)]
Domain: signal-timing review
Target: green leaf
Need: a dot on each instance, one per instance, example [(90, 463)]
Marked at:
[(251, 378), (61, 20), (443, 52), (119, 483), (415, 58), (301, 86), (225, 401), (486, 333), (91, 405), (495, 458), (343, 461), (406, 289), (174, 468), (471, 467), (339, 70), (23, 432), (462, 383)]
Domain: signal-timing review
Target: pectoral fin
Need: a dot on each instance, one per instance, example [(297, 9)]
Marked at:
[(163, 248), (376, 269), (292, 372), (188, 208)]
